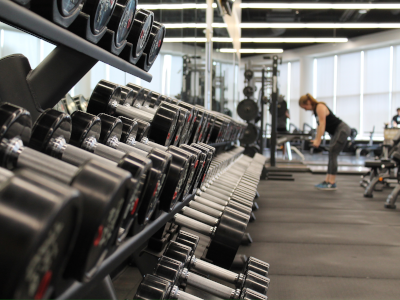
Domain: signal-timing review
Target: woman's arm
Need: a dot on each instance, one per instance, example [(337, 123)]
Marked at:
[(322, 112)]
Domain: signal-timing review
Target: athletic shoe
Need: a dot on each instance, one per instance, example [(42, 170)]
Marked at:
[(325, 186)]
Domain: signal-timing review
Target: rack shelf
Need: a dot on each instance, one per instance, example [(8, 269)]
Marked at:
[(77, 289), (22, 18)]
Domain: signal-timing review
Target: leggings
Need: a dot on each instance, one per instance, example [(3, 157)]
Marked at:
[(337, 144)]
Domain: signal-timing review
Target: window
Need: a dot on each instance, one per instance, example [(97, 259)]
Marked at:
[(325, 81), (294, 72), (376, 104), (348, 89)]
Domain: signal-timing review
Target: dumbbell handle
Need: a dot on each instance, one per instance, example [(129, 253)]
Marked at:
[(176, 293), (131, 112), (209, 286), (218, 272), (197, 215), (194, 225), (206, 209)]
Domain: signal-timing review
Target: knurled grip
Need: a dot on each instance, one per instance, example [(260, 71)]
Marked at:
[(194, 225), (211, 203), (205, 209), (209, 286), (197, 215), (210, 269)]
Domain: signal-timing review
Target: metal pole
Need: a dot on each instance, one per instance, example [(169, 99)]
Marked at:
[(274, 109), (209, 49), (261, 138)]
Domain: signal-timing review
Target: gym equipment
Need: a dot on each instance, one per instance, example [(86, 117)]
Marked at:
[(250, 134), (100, 12), (154, 287), (247, 109), (248, 91), (248, 74), (225, 238), (138, 36), (392, 198), (69, 104), (104, 189), (119, 26), (45, 215), (80, 102), (104, 99), (182, 249), (62, 12), (175, 272), (87, 133), (153, 47), (51, 133)]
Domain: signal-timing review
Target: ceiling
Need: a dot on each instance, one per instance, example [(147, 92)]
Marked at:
[(277, 16)]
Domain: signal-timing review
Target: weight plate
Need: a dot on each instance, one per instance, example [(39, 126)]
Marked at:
[(250, 134), (247, 109), (248, 91), (248, 74)]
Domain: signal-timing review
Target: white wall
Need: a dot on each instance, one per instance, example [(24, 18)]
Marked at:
[(359, 80)]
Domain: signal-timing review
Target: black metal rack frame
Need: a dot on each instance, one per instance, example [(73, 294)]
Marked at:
[(61, 69)]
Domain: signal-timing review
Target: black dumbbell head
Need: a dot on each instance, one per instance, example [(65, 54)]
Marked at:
[(257, 266), (40, 218), (104, 95), (178, 251), (15, 122), (50, 124), (256, 282), (84, 125), (129, 129), (140, 33), (110, 127), (188, 239), (153, 287), (169, 269)]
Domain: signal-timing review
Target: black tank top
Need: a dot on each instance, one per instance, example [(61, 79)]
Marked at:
[(332, 122)]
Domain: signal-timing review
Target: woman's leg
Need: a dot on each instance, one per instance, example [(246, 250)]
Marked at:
[(337, 144)]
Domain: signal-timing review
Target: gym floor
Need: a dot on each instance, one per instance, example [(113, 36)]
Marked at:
[(326, 245)]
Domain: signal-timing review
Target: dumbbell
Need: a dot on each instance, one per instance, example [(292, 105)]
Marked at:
[(40, 219), (183, 249), (153, 47), (119, 26), (137, 96), (175, 272), (131, 92), (105, 97), (225, 237), (85, 134), (138, 36), (51, 134), (252, 264), (154, 287), (175, 180), (104, 190)]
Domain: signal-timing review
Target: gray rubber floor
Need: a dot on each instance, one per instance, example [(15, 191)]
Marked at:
[(326, 245)]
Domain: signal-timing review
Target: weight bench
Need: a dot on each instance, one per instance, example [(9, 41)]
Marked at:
[(376, 174), (285, 138)]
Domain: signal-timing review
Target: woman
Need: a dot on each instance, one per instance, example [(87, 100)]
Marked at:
[(337, 129)]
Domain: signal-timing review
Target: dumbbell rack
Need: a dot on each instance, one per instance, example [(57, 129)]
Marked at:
[(77, 289), (59, 71)]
